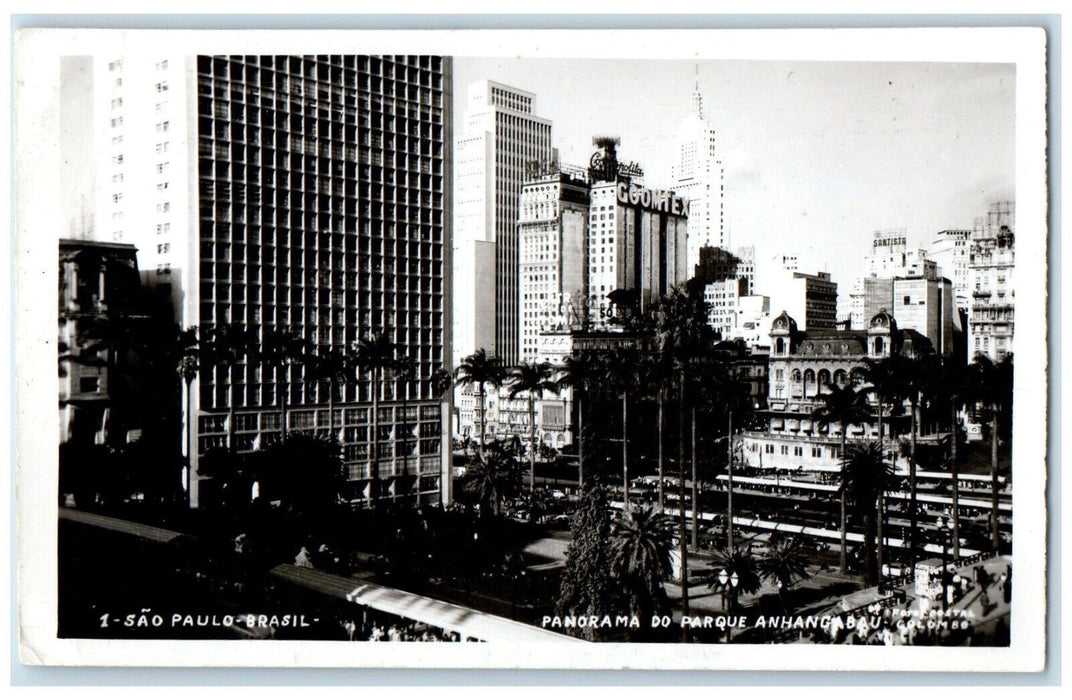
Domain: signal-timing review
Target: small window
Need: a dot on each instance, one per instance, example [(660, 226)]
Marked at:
[(89, 385)]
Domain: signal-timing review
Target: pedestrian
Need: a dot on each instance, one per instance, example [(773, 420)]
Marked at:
[(1006, 586)]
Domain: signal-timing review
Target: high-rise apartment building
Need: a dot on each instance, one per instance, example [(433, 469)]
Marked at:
[(502, 137), (992, 315), (698, 176), (302, 193)]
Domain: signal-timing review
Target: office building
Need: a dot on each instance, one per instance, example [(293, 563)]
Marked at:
[(811, 298), (636, 237), (992, 316), (553, 245), (302, 193), (753, 321), (890, 257), (728, 277), (951, 252), (502, 136), (698, 176)]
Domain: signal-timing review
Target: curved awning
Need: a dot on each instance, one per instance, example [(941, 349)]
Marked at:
[(448, 616)]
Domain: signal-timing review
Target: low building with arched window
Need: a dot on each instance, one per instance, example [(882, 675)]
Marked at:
[(803, 366)]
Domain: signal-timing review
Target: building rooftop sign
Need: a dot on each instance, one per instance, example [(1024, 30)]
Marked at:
[(654, 200), (604, 164), (893, 238)]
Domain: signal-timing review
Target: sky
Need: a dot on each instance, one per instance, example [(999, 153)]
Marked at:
[(818, 155)]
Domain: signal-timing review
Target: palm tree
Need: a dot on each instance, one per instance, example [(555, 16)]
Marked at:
[(738, 562), (993, 386), (491, 476), (281, 349), (333, 366), (581, 373), (723, 389), (405, 370), (846, 406), (188, 367), (641, 542), (882, 379), (480, 370), (375, 354), (227, 345), (679, 322), (951, 386), (621, 368), (917, 377), (656, 372), (867, 476), (441, 382), (785, 563), (531, 379)]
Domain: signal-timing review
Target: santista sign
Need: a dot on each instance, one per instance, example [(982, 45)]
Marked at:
[(655, 200)]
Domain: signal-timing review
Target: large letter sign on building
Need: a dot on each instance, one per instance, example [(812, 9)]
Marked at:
[(653, 200)]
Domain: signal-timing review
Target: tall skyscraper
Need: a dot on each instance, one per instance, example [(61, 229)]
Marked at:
[(553, 238), (993, 305), (301, 193), (636, 237), (698, 176), (502, 136)]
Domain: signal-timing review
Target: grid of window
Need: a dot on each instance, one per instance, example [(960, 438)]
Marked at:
[(321, 190), (519, 140)]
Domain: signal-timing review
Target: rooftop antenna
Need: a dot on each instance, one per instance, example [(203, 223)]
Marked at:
[(697, 98)]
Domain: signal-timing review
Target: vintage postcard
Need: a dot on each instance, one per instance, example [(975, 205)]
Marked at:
[(719, 349)]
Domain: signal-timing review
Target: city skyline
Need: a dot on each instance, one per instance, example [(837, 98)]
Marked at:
[(920, 146), (789, 464)]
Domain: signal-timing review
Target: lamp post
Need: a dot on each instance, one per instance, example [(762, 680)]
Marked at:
[(945, 528), (728, 580)]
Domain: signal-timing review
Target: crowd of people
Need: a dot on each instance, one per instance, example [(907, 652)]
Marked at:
[(956, 621), (399, 631)]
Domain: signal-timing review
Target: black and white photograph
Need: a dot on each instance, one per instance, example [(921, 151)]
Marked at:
[(551, 349)]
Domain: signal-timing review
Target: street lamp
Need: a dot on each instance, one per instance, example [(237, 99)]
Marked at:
[(732, 579), (945, 528)]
